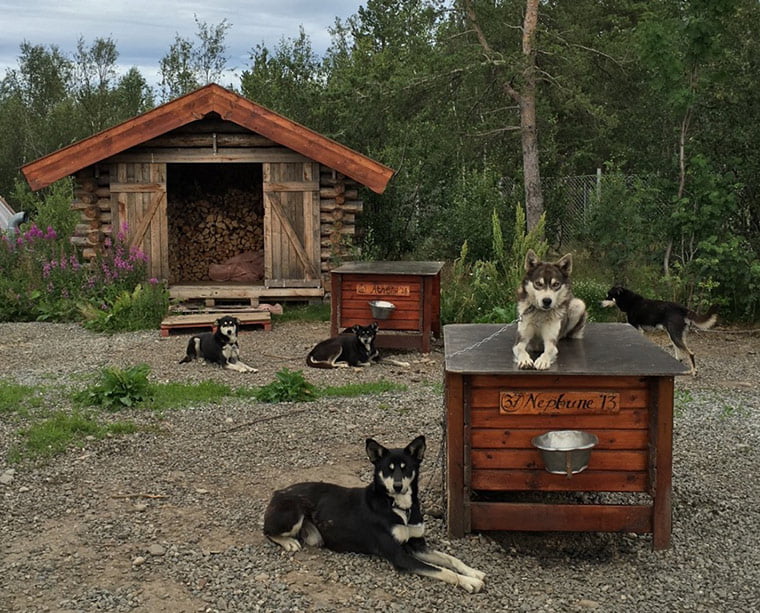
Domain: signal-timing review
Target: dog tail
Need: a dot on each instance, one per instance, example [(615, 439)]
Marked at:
[(706, 321), (310, 361)]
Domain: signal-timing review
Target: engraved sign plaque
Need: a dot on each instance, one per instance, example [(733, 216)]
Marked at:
[(558, 403)]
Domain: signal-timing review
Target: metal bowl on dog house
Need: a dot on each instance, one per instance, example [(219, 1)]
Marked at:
[(612, 389), (229, 200)]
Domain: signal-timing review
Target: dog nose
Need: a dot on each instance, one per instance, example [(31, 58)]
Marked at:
[(547, 302), (398, 486)]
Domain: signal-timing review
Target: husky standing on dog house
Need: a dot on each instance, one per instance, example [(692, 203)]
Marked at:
[(547, 311)]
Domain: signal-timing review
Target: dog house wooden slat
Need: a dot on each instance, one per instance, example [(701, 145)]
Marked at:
[(625, 399)]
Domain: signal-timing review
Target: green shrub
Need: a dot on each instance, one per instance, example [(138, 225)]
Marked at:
[(288, 386), (143, 308), (116, 388), (483, 291)]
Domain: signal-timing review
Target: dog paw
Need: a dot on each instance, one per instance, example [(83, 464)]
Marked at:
[(542, 363), (524, 363), (471, 584), (476, 574)]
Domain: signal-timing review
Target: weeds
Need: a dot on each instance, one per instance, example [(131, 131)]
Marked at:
[(288, 386), (56, 433), (117, 388), (362, 389), (16, 398)]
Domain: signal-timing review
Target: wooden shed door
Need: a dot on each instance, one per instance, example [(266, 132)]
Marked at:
[(291, 224), (140, 193)]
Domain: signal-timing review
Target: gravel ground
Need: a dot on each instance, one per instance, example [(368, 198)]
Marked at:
[(169, 519)]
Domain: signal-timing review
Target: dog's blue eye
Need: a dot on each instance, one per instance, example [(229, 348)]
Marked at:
[(392, 466), (402, 465)]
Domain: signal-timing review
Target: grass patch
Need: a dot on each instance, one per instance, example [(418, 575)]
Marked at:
[(304, 312), (16, 398), (362, 389), (56, 433), (178, 395)]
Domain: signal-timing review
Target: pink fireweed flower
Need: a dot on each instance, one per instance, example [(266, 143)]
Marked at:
[(153, 281), (51, 233)]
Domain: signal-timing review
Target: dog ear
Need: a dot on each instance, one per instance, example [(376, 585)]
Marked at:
[(373, 325), (565, 263), (375, 451), (416, 448), (531, 260), (355, 328)]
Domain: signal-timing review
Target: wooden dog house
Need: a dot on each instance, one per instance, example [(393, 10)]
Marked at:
[(210, 176)]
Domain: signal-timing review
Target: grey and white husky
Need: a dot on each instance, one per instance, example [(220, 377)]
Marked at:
[(547, 311)]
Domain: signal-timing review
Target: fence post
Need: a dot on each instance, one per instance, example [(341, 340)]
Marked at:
[(598, 185)]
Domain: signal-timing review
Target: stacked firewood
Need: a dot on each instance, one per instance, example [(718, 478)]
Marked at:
[(210, 229)]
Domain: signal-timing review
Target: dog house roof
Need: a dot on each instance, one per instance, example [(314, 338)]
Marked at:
[(192, 107)]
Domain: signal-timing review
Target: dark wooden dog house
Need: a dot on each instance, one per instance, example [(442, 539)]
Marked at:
[(211, 175)]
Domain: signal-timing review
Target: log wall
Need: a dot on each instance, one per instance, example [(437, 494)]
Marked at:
[(214, 141)]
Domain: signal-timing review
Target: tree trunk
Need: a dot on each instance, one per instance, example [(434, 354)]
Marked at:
[(526, 99), (534, 197)]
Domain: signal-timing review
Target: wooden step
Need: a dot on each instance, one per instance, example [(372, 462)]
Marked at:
[(208, 320)]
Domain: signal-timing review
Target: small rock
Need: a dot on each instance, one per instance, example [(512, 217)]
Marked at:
[(138, 561), (156, 550), (7, 477)]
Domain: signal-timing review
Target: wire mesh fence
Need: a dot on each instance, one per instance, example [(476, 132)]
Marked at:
[(571, 201)]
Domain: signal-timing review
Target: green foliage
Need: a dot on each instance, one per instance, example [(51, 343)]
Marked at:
[(483, 291), (189, 65), (288, 386), (56, 433), (353, 390), (178, 395), (304, 312), (617, 228), (18, 399), (592, 293), (141, 309), (117, 388), (42, 279)]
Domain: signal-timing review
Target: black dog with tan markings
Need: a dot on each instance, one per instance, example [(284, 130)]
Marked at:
[(382, 519), (645, 314), (219, 347)]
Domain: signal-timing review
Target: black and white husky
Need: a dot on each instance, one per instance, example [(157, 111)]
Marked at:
[(219, 347), (645, 313), (547, 311), (383, 519), (355, 346)]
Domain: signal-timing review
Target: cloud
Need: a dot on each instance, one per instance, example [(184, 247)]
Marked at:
[(143, 30)]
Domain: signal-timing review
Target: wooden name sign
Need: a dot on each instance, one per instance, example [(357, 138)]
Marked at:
[(382, 289), (558, 403)]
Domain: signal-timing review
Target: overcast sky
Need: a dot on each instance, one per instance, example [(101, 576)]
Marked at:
[(144, 30)]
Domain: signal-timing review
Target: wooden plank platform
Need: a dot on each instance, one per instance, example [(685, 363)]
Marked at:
[(207, 320), (210, 293)]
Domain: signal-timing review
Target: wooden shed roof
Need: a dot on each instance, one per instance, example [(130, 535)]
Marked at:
[(192, 107)]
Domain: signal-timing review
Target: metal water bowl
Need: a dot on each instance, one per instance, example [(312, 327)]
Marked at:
[(565, 452), (381, 309)]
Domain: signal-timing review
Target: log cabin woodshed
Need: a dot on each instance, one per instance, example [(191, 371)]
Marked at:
[(212, 176)]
